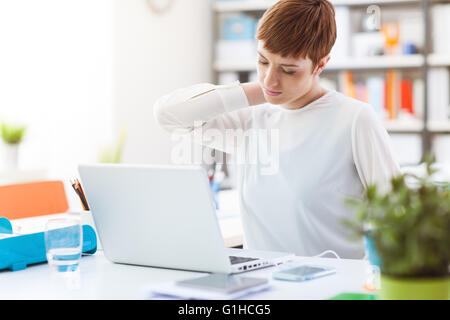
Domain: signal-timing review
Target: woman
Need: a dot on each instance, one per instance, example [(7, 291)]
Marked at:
[(329, 146)]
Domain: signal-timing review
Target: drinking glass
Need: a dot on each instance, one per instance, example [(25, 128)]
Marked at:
[(63, 244)]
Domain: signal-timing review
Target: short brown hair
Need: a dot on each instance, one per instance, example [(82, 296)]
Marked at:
[(299, 29)]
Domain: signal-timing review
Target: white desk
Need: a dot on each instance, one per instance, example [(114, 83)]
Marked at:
[(102, 279)]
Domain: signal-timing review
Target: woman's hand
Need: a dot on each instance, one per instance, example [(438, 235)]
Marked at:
[(254, 93)]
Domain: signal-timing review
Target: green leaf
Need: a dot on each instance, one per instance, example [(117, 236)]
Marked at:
[(410, 225), (12, 134), (113, 153)]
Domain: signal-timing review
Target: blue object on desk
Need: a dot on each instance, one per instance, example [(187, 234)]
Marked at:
[(215, 187), (374, 258), (5, 226), (16, 252)]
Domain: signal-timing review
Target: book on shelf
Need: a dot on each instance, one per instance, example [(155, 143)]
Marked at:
[(407, 148), (406, 99), (418, 97), (438, 95), (441, 148), (375, 85), (239, 27), (343, 33), (440, 25), (346, 84), (391, 96), (237, 38), (227, 77)]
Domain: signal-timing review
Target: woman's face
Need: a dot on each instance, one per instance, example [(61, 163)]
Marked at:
[(285, 81)]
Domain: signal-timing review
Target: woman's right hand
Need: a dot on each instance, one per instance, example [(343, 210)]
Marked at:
[(254, 93)]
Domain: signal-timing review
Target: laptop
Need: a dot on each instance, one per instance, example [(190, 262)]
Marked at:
[(163, 216)]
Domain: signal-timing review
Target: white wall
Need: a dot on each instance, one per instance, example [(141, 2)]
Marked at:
[(153, 55), (56, 77), (78, 71)]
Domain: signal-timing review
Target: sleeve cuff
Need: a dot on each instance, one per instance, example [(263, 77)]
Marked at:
[(233, 96)]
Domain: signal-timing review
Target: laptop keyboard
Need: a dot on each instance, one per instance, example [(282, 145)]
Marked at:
[(236, 260)]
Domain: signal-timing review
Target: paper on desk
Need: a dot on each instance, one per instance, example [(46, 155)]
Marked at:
[(170, 290), (224, 214)]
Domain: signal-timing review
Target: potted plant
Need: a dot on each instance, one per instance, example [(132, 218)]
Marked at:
[(113, 152), (12, 135), (409, 228)]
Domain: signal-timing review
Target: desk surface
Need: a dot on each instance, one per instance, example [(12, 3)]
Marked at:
[(99, 278)]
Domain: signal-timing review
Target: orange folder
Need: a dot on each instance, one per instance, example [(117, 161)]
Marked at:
[(392, 93), (407, 96), (25, 200)]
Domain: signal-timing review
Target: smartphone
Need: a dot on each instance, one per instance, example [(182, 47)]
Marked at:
[(223, 283), (303, 272)]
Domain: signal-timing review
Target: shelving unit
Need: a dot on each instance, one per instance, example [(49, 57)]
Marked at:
[(438, 60), (419, 63), (357, 63), (260, 5), (438, 127), (404, 126)]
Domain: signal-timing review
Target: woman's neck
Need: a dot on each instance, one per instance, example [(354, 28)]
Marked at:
[(313, 94)]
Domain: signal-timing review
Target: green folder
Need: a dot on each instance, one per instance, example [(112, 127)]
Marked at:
[(354, 296)]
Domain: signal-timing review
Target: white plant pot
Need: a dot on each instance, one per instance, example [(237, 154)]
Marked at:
[(11, 156)]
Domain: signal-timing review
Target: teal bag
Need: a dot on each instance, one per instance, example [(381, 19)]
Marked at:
[(16, 252)]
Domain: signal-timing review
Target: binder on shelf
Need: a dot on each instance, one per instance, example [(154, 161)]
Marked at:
[(440, 23), (346, 84), (392, 97), (438, 96), (418, 97), (375, 95), (392, 94), (239, 27), (360, 91), (406, 96), (343, 37)]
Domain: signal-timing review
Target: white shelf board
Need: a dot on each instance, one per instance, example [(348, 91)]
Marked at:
[(260, 5), (377, 62), (439, 126), (381, 62), (439, 60), (248, 5), (369, 2), (223, 66), (403, 125)]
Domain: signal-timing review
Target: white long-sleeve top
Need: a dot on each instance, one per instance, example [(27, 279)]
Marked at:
[(292, 198)]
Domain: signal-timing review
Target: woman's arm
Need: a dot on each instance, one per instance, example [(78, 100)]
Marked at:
[(254, 93), (372, 150), (206, 106), (188, 108), (252, 90)]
